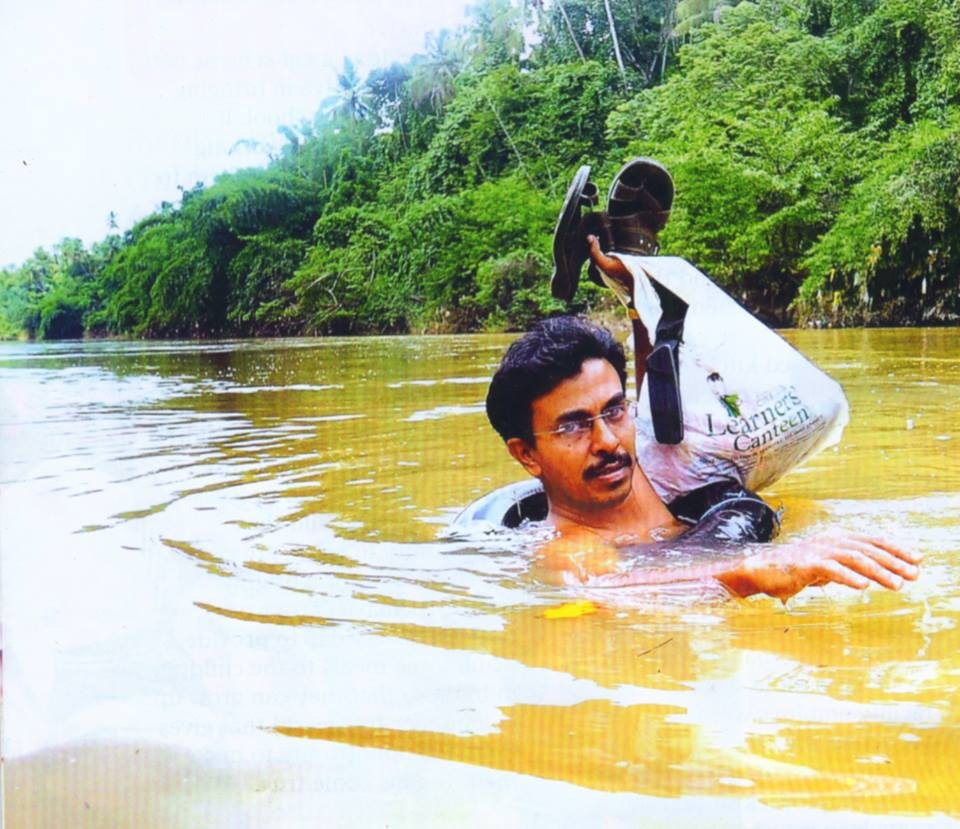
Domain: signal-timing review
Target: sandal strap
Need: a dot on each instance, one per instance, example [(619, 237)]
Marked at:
[(633, 234), (633, 197)]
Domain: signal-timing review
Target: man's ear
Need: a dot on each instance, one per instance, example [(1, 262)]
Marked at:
[(524, 453)]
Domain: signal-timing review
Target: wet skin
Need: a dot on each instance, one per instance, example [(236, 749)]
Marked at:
[(599, 503), (593, 483)]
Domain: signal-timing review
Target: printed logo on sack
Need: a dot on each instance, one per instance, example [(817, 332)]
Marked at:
[(731, 402), (772, 423)]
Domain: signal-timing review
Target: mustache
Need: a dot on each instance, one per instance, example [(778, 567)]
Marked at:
[(608, 463)]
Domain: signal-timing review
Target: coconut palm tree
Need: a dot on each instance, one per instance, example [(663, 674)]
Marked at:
[(495, 32), (352, 99), (387, 87), (435, 71)]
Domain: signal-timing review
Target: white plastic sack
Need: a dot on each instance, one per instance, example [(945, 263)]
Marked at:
[(753, 406)]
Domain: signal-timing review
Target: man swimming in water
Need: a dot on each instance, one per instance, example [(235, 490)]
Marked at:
[(559, 402)]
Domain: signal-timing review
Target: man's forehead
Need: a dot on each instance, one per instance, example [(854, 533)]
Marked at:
[(592, 388)]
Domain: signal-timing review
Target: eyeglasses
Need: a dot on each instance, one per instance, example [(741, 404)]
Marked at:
[(575, 430)]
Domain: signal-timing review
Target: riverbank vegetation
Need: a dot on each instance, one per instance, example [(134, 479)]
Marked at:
[(815, 146)]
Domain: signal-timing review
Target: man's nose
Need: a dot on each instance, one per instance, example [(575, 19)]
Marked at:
[(603, 438)]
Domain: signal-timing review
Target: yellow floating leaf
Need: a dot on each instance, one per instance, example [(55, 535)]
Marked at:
[(570, 610)]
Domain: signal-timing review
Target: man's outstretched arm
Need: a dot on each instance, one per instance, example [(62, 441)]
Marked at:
[(781, 571), (851, 559)]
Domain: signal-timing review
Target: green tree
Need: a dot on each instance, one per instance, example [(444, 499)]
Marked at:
[(760, 157), (352, 100), (901, 63), (388, 91), (813, 144), (540, 122), (892, 254), (435, 72), (494, 33), (584, 30), (689, 15)]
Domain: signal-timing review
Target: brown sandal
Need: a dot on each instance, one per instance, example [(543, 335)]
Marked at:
[(570, 249), (638, 206)]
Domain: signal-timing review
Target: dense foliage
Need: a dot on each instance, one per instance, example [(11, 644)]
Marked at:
[(815, 145)]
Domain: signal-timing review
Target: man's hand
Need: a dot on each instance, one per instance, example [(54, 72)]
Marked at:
[(854, 560), (610, 265)]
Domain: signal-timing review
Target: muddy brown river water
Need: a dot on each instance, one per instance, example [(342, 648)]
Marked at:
[(227, 600)]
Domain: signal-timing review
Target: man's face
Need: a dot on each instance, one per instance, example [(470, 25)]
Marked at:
[(592, 471)]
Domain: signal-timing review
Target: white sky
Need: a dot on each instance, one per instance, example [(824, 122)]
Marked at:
[(109, 105)]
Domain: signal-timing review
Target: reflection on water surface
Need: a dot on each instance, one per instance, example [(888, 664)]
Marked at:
[(223, 564)]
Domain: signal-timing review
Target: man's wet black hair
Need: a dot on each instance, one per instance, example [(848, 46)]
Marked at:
[(539, 361)]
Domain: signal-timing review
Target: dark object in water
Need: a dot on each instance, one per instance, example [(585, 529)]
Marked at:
[(722, 511)]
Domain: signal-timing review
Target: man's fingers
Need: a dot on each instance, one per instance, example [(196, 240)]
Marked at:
[(856, 563), (836, 572), (593, 242), (890, 547), (852, 560), (875, 560), (608, 264), (866, 565), (887, 560), (600, 259)]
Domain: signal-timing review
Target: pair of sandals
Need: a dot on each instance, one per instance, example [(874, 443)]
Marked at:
[(638, 206)]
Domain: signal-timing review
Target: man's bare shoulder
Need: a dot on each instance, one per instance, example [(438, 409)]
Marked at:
[(578, 553)]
